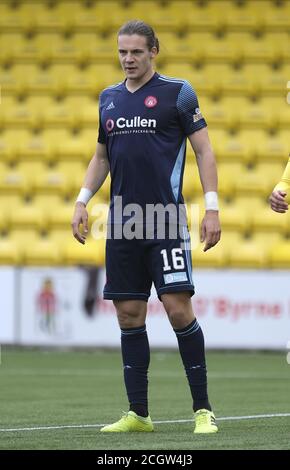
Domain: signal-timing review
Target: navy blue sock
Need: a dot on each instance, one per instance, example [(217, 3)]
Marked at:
[(191, 346), (136, 358)]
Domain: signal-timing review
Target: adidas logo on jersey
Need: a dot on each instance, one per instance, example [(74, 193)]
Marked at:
[(110, 106)]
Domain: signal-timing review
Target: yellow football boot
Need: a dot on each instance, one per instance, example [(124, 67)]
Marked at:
[(204, 422), (130, 422)]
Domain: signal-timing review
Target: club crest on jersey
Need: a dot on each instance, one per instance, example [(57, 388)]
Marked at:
[(150, 101), (110, 125)]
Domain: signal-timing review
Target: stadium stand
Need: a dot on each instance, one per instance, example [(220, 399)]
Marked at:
[(57, 56)]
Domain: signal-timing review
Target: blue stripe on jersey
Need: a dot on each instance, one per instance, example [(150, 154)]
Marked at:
[(187, 253), (170, 79), (177, 171), (186, 100)]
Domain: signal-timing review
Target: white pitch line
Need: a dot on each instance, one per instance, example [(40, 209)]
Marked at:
[(80, 426)]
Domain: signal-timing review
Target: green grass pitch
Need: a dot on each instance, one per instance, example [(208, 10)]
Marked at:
[(83, 389)]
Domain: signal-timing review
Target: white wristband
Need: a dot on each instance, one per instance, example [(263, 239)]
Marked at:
[(84, 196), (211, 201)]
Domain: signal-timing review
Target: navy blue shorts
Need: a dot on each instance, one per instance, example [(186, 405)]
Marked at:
[(132, 266)]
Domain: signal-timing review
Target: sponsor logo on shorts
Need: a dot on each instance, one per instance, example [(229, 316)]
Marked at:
[(175, 277)]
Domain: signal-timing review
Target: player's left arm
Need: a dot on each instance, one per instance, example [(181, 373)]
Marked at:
[(210, 231)]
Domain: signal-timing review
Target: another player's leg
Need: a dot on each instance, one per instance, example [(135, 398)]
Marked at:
[(191, 346), (136, 358)]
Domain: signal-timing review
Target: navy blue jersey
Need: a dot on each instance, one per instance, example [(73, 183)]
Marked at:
[(145, 135)]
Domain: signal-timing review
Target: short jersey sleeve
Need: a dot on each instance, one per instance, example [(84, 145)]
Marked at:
[(102, 134), (188, 109)]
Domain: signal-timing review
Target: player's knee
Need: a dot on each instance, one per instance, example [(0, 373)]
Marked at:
[(179, 312), (129, 315), (179, 318)]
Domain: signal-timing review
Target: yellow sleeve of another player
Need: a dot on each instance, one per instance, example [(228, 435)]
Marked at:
[(284, 184)]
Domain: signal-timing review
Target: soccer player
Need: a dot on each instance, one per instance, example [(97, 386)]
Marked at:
[(278, 197), (144, 123)]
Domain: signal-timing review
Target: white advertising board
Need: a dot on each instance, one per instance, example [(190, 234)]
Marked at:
[(7, 304), (236, 309)]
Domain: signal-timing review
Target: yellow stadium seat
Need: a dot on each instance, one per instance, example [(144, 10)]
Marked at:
[(271, 172), (9, 252), (279, 255), (12, 19), (268, 220), (48, 201), (13, 180), (27, 216), (43, 252), (239, 147), (37, 147), (65, 178), (248, 205), (277, 17), (233, 218), (23, 236), (15, 113), (273, 148), (75, 171), (10, 142), (248, 16), (253, 182), (246, 253), (170, 17), (268, 239), (48, 112), (9, 203), (226, 177), (10, 81), (37, 80), (104, 191), (93, 252), (191, 182), (53, 180), (222, 113), (60, 216), (83, 111), (207, 17), (98, 16), (215, 48), (79, 147), (184, 71), (264, 113), (240, 81), (61, 17), (275, 81), (90, 47), (216, 257), (11, 45), (283, 115), (176, 49), (268, 47)]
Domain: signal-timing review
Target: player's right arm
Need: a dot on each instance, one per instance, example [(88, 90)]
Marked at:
[(277, 198), (96, 174)]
